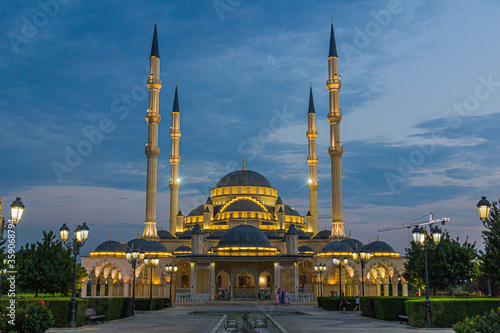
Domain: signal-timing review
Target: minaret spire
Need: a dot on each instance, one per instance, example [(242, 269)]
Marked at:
[(335, 151), (175, 159), (244, 167), (153, 118), (312, 160)]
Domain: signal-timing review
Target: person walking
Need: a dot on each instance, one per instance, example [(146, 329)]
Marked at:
[(282, 297), (287, 299), (344, 304), (357, 304)]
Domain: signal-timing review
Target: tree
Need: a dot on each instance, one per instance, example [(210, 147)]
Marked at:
[(491, 255), (47, 266), (450, 263)]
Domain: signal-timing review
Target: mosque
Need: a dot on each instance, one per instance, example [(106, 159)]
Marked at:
[(244, 240)]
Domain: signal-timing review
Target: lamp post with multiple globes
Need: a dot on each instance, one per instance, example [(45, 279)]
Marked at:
[(16, 212), (151, 263), (321, 268), (134, 257), (171, 270), (419, 237), (361, 256), (81, 235)]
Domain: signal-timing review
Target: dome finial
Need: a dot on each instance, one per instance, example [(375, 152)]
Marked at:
[(244, 167), (110, 237), (378, 238), (349, 233), (120, 240), (138, 234)]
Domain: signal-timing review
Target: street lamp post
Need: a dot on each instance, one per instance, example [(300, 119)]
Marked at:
[(337, 261), (483, 207), (81, 235), (361, 256), (321, 268), (134, 258), (170, 270), (419, 237), (151, 263), (16, 212)]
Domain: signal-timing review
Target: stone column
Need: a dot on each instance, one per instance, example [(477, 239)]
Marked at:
[(405, 288), (395, 291), (84, 289), (386, 289), (276, 277), (110, 289), (102, 290), (295, 275), (213, 290), (193, 278), (377, 286), (125, 288)]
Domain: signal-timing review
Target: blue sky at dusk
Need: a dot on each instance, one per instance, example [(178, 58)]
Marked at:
[(420, 99)]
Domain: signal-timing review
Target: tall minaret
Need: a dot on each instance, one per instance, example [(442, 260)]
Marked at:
[(175, 159), (312, 160), (335, 150), (153, 118)]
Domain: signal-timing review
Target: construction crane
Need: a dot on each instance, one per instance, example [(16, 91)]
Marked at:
[(415, 223)]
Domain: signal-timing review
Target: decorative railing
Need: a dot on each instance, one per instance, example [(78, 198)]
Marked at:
[(183, 291), (191, 298), (300, 297)]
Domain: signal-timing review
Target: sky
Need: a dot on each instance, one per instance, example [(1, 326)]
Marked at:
[(420, 99)]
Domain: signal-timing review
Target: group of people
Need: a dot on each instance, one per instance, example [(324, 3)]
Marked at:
[(262, 294), (281, 297)]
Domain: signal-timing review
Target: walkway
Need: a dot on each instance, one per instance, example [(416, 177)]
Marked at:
[(315, 320)]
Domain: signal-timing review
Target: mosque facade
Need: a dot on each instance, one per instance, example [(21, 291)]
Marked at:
[(244, 241)]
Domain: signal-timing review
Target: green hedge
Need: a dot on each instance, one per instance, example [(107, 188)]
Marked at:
[(389, 308), (60, 307), (142, 304), (126, 308), (445, 312), (319, 301), (333, 303), (367, 306), (111, 307)]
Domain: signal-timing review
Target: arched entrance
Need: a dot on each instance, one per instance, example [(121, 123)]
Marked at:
[(244, 285), (266, 285), (222, 283)]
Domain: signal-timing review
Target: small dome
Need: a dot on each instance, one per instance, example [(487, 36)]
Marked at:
[(291, 211), (305, 249), (164, 234), (197, 211), (302, 234), (152, 246), (186, 234), (323, 234), (354, 243), (271, 234), (135, 243), (244, 206), (337, 246), (217, 234), (244, 178), (244, 235), (182, 248), (111, 246), (379, 246)]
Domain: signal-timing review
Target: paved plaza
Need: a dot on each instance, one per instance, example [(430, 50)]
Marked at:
[(180, 319)]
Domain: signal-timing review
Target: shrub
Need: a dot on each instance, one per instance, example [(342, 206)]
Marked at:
[(111, 307), (319, 301), (389, 308), (367, 307), (333, 303), (30, 317), (445, 312), (489, 323), (61, 311), (142, 304), (126, 310)]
